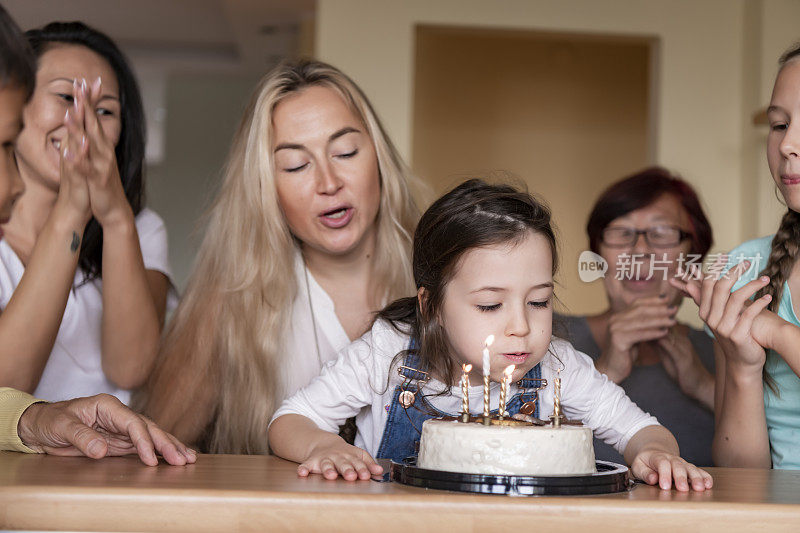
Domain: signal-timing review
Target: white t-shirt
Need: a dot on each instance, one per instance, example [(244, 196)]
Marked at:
[(302, 363), (359, 383), (74, 367)]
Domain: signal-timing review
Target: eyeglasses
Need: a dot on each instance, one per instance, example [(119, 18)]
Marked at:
[(657, 236)]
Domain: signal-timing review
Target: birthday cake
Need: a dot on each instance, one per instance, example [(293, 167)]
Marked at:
[(525, 450)]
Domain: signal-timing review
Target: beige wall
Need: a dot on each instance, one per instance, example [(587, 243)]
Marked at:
[(566, 115), (704, 93), (204, 110)]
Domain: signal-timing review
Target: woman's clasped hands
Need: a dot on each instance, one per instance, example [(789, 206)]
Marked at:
[(90, 180)]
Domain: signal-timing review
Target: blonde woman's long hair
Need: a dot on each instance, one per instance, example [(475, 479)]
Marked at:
[(226, 336)]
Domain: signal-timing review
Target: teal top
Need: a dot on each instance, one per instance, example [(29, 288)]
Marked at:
[(782, 409)]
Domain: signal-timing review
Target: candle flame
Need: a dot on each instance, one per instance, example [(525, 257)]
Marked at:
[(466, 368), (509, 370), (489, 340)]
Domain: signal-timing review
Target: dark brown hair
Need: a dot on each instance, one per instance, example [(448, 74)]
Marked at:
[(17, 64), (131, 144), (473, 215), (640, 190), (785, 245)]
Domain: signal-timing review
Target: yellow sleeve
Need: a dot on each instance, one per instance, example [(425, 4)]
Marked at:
[(12, 404)]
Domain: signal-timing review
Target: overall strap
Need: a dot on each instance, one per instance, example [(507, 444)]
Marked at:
[(406, 411), (533, 379), (412, 368)]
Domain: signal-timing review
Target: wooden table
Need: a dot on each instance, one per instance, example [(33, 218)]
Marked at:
[(256, 493)]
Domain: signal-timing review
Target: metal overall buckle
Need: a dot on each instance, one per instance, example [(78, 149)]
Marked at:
[(525, 385), (407, 397)]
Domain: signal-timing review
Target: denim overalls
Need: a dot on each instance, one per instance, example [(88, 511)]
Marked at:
[(401, 435)]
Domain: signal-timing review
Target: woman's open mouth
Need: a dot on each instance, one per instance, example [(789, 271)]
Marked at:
[(338, 217), (641, 283)]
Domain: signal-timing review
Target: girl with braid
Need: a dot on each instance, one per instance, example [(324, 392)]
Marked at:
[(752, 311)]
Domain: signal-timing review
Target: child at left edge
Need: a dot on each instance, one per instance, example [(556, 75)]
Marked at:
[(484, 260)]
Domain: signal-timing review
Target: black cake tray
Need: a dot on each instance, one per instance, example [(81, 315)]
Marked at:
[(610, 477)]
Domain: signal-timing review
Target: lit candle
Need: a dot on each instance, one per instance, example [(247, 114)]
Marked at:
[(486, 370), (504, 389), (465, 392)]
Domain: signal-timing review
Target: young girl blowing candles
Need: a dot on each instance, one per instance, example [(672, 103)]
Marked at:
[(484, 259)]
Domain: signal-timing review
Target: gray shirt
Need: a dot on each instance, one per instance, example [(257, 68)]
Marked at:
[(651, 388)]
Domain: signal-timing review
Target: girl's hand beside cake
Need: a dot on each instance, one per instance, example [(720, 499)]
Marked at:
[(339, 458), (654, 466), (653, 455), (297, 438)]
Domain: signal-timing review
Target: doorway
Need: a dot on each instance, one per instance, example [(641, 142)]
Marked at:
[(565, 115)]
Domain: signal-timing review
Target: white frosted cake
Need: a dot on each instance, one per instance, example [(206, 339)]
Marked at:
[(524, 450)]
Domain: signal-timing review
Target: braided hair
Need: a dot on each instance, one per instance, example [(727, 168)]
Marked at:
[(782, 256)]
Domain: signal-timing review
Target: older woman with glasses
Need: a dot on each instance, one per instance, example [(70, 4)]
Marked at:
[(646, 226)]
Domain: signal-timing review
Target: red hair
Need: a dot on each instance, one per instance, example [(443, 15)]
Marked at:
[(642, 189)]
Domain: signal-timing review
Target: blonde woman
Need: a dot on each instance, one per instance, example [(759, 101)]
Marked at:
[(309, 236)]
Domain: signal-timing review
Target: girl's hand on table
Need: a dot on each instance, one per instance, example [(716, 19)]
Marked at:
[(98, 426), (647, 319), (340, 458), (656, 466)]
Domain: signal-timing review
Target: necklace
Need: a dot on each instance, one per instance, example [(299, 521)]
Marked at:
[(313, 317)]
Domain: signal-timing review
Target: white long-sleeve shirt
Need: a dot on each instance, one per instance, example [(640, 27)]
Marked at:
[(361, 381)]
